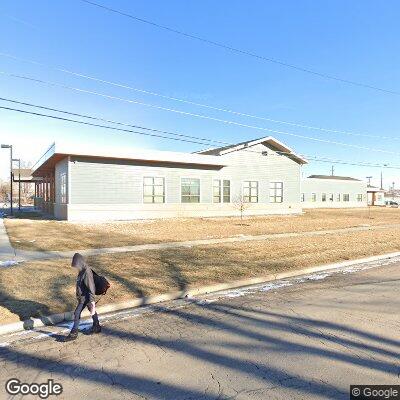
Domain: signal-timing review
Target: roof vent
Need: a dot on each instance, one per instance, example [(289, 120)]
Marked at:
[(264, 153)]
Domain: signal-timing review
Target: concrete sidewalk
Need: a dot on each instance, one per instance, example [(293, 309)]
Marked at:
[(7, 253), (24, 255)]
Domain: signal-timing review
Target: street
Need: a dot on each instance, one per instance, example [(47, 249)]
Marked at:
[(307, 338)]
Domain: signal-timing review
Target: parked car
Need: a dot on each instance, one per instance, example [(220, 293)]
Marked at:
[(392, 203)]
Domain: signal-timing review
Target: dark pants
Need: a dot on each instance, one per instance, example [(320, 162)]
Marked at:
[(78, 311)]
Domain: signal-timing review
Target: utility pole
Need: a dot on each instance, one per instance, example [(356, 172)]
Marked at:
[(381, 180), (19, 182), (9, 146), (333, 170)]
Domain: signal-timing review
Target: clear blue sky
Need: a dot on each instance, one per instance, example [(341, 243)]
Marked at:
[(356, 40)]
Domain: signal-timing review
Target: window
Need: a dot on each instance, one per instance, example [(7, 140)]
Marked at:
[(221, 193), (276, 192), (331, 197), (313, 197), (338, 197), (63, 188), (217, 191), (226, 191), (303, 197), (346, 197), (190, 190), (250, 191), (323, 196), (153, 190), (359, 197)]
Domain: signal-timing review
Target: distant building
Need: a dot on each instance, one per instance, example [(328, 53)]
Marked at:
[(85, 184), (376, 196), (326, 191)]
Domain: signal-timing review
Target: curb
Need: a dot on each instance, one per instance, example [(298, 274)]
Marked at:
[(69, 316)]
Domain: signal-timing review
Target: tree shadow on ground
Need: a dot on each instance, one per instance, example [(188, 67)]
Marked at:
[(240, 326)]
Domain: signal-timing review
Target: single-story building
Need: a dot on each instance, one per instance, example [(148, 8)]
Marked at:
[(327, 191), (88, 184), (376, 196)]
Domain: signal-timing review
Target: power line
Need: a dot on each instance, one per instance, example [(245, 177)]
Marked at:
[(317, 159), (112, 121), (197, 115), (243, 52), (220, 109)]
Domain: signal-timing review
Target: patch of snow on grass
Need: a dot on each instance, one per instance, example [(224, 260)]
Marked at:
[(8, 263)]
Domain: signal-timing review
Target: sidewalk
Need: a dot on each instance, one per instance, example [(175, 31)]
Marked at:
[(24, 255), (7, 253)]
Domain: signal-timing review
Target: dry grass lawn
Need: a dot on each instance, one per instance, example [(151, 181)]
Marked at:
[(47, 287), (34, 234)]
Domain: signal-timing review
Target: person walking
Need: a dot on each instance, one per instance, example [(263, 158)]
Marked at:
[(85, 294)]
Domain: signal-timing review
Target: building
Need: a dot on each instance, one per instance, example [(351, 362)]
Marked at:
[(375, 196), (326, 191), (84, 184)]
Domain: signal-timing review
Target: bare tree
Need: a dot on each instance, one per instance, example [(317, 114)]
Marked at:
[(240, 205)]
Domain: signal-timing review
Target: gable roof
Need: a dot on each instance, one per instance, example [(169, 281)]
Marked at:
[(334, 177), (269, 141)]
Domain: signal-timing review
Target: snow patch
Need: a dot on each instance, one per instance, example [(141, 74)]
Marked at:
[(8, 263)]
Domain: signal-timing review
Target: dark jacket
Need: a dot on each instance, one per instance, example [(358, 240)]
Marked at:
[(85, 288)]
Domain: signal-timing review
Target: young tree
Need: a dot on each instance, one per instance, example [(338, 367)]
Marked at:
[(240, 205)]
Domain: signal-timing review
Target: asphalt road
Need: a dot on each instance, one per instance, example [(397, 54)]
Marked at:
[(304, 339)]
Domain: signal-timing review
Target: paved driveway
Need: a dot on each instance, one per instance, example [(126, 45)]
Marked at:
[(308, 340)]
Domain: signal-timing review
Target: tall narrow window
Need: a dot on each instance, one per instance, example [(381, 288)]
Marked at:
[(331, 197), (217, 191), (190, 190), (303, 197), (313, 197), (338, 197), (153, 189), (360, 197), (346, 197), (63, 188), (276, 192), (226, 191), (323, 197), (250, 191)]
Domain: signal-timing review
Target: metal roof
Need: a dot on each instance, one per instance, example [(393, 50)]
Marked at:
[(58, 151), (333, 177)]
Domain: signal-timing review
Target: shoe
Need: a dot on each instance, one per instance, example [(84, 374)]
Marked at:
[(96, 328), (72, 335)]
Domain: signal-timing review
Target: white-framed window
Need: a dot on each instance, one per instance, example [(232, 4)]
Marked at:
[(338, 197), (250, 191), (313, 197), (359, 197), (330, 196), (221, 191), (276, 192), (346, 197), (153, 189), (303, 197), (323, 197), (190, 190), (63, 188)]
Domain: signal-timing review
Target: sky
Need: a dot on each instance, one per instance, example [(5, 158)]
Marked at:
[(355, 41)]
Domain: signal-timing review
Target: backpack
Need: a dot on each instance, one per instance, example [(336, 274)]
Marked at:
[(101, 284)]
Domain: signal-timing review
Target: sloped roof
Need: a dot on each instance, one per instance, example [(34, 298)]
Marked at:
[(270, 141), (334, 177)]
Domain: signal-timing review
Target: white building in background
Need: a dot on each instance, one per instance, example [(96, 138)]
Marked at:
[(326, 191), (376, 196)]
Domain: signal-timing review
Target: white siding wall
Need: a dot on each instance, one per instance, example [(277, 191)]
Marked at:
[(335, 186), (110, 189), (60, 210)]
